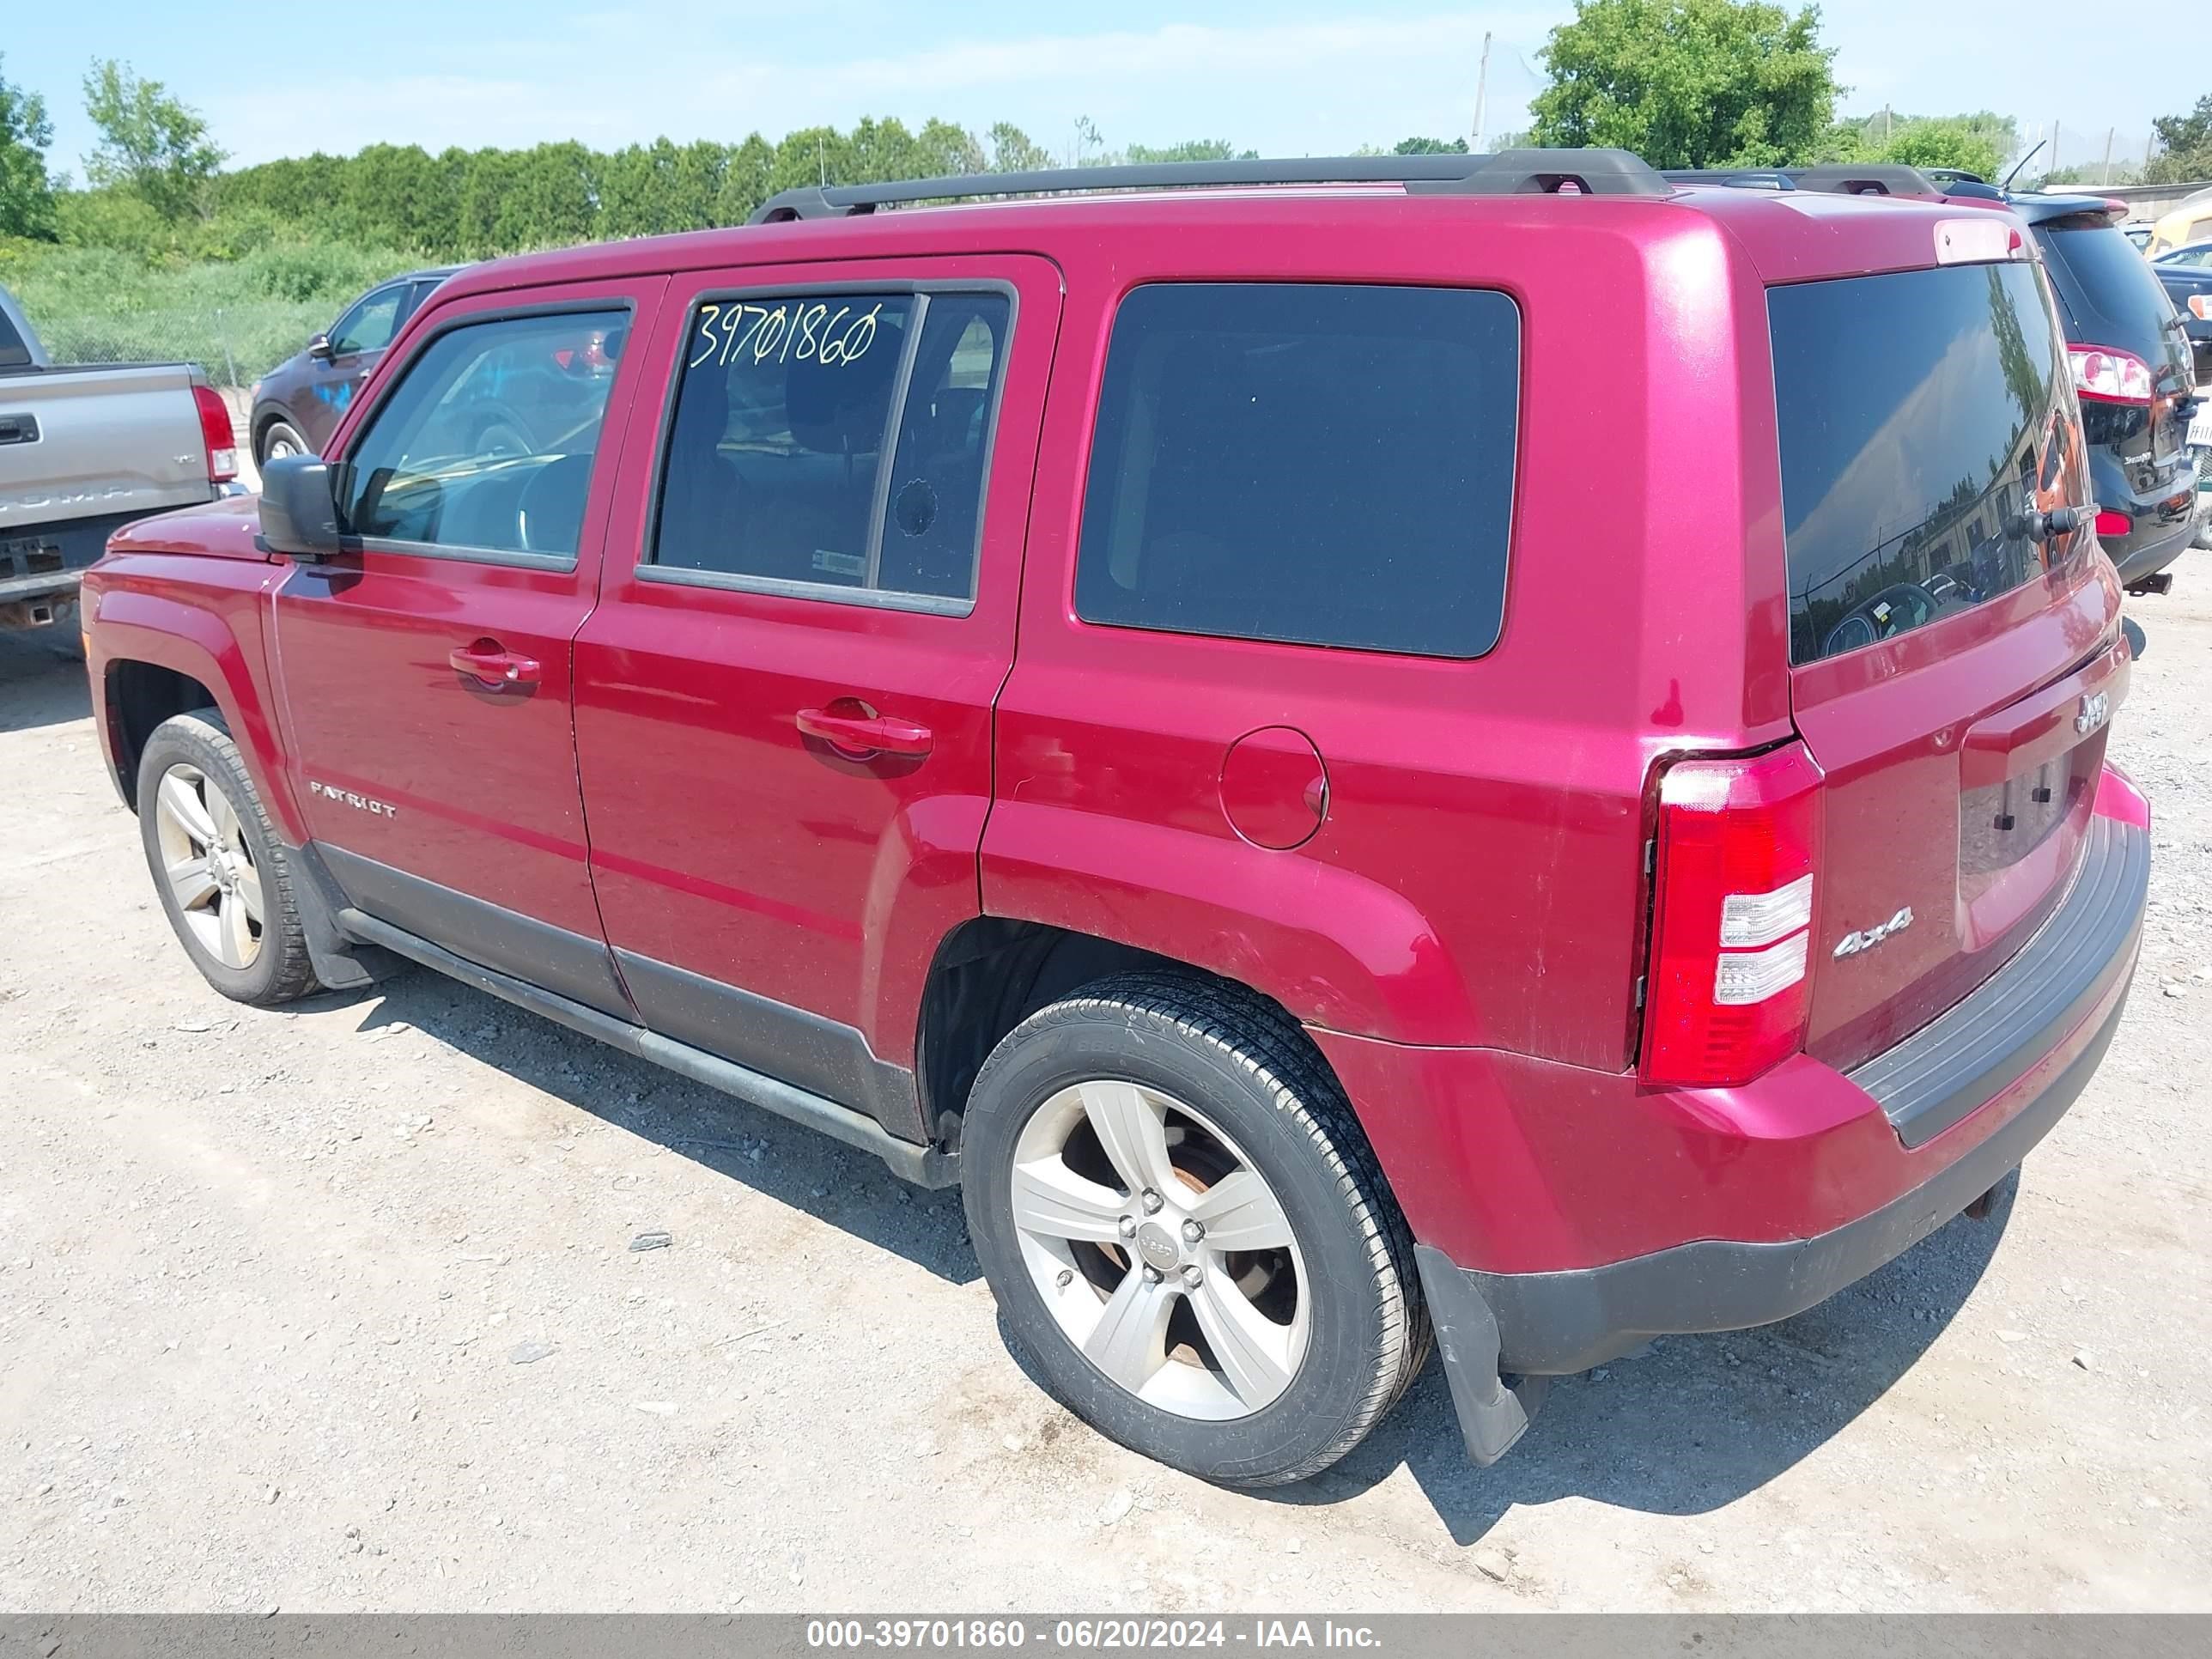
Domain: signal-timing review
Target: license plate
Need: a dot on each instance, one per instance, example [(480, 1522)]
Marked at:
[(2200, 427)]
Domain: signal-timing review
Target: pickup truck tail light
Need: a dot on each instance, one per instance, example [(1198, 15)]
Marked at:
[(2107, 374), (215, 434), (1734, 887)]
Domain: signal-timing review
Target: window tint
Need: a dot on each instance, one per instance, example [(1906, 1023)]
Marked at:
[(1918, 415), (370, 325), (774, 468), (1320, 465), (13, 353), (487, 442), (2114, 297)]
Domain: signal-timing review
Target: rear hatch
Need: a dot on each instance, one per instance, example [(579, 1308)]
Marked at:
[(1952, 662), (2108, 296)]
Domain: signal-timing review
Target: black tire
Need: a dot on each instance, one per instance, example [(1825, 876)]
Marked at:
[(279, 432), (201, 741), (1250, 1069)]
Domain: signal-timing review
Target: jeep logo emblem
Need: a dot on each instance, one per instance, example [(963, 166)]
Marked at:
[(1156, 1247), (2096, 708), (1867, 938)]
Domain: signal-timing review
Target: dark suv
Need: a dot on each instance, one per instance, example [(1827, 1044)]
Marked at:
[(2134, 370), (1344, 805), (298, 403)]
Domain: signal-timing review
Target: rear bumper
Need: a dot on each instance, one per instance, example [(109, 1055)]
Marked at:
[(1782, 1193), (2160, 529)]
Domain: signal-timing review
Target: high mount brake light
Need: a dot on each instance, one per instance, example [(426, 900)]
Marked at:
[(1977, 241), (1734, 889)]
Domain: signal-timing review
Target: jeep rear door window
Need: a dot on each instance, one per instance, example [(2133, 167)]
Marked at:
[(787, 407), (1315, 464), (1917, 413), (485, 446)]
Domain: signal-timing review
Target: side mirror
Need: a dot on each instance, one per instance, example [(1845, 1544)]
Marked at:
[(320, 348), (299, 510)]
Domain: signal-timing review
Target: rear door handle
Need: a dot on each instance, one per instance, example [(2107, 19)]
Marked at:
[(19, 429), (490, 663), (860, 734)]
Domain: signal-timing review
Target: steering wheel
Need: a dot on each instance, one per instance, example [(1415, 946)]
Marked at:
[(549, 515)]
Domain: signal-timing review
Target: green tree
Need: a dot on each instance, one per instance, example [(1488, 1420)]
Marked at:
[(27, 195), (1013, 150), (1429, 146), (151, 143), (395, 196), (1980, 142), (745, 180), (1948, 142), (1191, 149), (1689, 83), (2186, 143)]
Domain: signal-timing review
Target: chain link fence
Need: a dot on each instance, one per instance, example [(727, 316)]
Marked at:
[(234, 346)]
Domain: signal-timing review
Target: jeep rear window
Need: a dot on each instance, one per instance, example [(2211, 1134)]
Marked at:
[(1320, 465), (1917, 413)]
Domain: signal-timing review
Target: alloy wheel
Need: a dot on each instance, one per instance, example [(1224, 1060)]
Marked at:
[(1160, 1249), (208, 865)]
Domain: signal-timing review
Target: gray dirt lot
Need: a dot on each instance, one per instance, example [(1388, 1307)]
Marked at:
[(269, 1284)]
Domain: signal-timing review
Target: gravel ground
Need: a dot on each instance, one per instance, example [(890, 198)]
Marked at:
[(336, 1309)]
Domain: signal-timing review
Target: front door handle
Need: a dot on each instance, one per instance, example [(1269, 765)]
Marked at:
[(861, 734), (490, 663)]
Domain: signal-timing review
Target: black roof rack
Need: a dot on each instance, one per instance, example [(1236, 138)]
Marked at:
[(1509, 173), (1830, 178)]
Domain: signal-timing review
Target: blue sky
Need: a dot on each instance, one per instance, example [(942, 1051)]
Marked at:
[(1290, 77)]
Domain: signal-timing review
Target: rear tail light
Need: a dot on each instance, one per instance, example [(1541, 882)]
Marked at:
[(2112, 523), (215, 434), (2200, 306), (1732, 917), (2109, 374)]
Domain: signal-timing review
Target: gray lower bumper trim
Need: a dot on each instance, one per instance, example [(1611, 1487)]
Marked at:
[(1971, 1055), (1558, 1323)]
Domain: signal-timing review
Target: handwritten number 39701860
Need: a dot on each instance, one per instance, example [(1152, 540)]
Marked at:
[(783, 333)]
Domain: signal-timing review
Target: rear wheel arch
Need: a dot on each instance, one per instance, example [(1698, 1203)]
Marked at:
[(993, 972), (265, 421)]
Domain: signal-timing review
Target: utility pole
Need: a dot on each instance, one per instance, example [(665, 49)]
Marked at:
[(2053, 168), (1884, 126), (1481, 93), (2108, 156)]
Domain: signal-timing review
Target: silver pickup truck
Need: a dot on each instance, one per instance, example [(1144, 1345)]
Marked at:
[(84, 450)]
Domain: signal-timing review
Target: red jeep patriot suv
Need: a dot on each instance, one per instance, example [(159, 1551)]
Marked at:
[(1496, 751)]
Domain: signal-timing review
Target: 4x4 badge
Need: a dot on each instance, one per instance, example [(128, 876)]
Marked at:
[(2096, 709), (1867, 938)]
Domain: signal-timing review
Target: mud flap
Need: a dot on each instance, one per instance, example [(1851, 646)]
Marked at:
[(341, 963), (1493, 1412)]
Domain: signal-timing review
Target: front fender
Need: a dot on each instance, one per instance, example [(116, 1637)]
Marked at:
[(1334, 948), (203, 618)]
